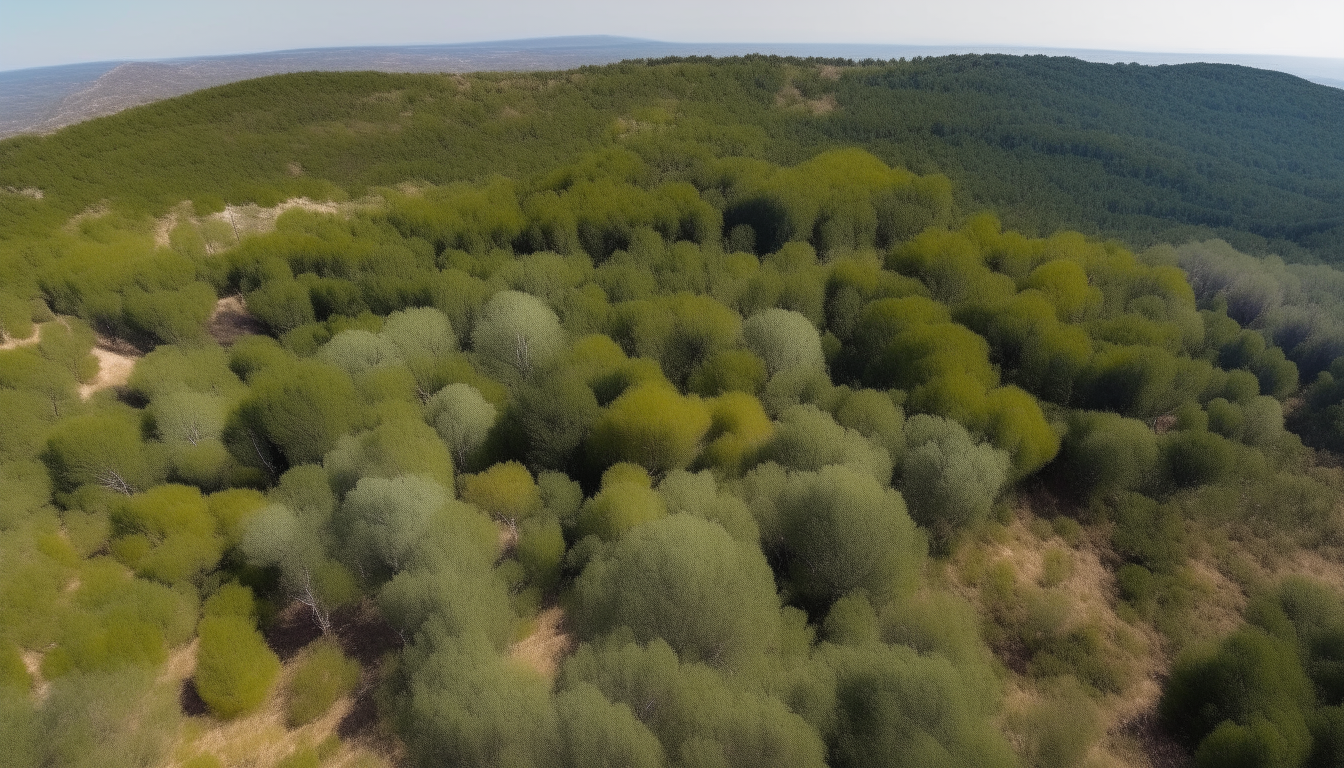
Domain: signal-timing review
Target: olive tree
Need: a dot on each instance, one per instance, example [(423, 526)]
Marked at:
[(685, 580), (516, 333), (294, 534), (948, 479), (784, 339), (844, 531), (462, 417)]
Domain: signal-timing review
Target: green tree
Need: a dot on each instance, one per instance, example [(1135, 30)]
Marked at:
[(599, 733), (1105, 454), (807, 438), (357, 351), (400, 445), (470, 703), (516, 334), (553, 416), (235, 671), (385, 520), (324, 675), (463, 419), (170, 316), (166, 533), (652, 425), (294, 534), (729, 370), (948, 479), (420, 332), (843, 531), (896, 707), (505, 491), (103, 449), (301, 409), (624, 501), (686, 581), (282, 305), (784, 340), (1247, 696)]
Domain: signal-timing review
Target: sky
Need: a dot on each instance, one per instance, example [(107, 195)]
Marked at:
[(48, 32)]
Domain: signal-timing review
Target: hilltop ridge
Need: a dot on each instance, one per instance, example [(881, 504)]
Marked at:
[(44, 99)]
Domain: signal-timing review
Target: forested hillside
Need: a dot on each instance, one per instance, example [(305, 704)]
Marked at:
[(623, 417), (1142, 153)]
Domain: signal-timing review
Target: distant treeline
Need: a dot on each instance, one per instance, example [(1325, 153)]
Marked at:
[(1144, 154)]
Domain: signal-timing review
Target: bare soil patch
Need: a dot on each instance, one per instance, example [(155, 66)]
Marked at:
[(116, 361), (32, 661), (231, 321), (547, 646), (9, 343)]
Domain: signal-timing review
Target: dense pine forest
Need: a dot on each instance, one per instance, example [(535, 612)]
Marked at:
[(754, 412)]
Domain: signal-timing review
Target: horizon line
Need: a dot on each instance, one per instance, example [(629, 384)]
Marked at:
[(964, 48)]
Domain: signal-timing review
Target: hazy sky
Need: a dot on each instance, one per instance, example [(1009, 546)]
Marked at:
[(44, 32)]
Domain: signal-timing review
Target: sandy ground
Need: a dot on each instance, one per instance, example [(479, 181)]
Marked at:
[(250, 219), (32, 661), (116, 361), (790, 97), (547, 646), (114, 370), (16, 343)]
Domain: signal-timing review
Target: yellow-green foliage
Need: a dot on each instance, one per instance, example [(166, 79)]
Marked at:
[(232, 509), (13, 674), (117, 621), (166, 533), (505, 491), (739, 427), (624, 315), (651, 425), (728, 370), (324, 674), (626, 500), (232, 599), (235, 671), (400, 445)]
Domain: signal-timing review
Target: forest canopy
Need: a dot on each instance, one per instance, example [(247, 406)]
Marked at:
[(782, 452)]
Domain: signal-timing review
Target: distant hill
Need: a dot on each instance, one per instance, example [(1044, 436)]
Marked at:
[(1142, 153), (44, 99)]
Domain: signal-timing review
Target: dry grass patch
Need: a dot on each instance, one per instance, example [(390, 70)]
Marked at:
[(789, 97), (548, 644), (1032, 553), (32, 661), (262, 739)]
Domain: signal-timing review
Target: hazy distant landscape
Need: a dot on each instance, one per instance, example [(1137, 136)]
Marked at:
[(43, 99)]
